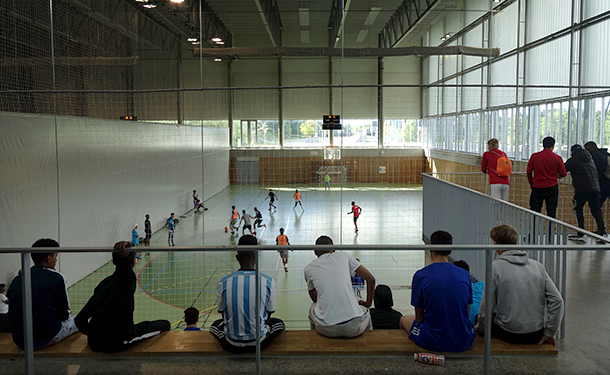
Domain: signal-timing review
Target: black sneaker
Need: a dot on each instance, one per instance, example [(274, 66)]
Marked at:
[(581, 237)]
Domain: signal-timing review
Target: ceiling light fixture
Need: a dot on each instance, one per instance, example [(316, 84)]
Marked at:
[(149, 5), (216, 39), (446, 36), (191, 39), (221, 42), (141, 1), (177, 1), (217, 59)]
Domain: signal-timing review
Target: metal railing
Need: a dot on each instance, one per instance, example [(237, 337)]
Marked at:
[(489, 250), (519, 192)]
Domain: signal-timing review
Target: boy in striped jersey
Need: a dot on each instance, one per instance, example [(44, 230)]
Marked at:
[(236, 300)]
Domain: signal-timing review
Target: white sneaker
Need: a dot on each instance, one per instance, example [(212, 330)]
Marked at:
[(577, 237), (605, 235)]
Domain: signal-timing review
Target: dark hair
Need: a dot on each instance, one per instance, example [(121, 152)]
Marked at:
[(591, 146), (324, 240), (147, 216), (191, 315), (233, 207), (2, 286), (194, 191), (255, 209), (243, 211), (248, 239), (38, 258), (171, 214), (462, 264), (119, 260), (353, 203), (548, 142), (440, 237), (281, 230)]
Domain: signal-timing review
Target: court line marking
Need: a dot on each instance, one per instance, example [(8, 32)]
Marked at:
[(408, 218)]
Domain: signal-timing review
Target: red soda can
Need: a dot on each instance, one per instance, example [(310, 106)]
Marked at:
[(430, 359)]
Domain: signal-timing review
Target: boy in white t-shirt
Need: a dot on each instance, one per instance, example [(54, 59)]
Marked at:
[(3, 309), (335, 311)]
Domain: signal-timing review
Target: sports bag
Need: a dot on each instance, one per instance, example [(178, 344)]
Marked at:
[(504, 167)]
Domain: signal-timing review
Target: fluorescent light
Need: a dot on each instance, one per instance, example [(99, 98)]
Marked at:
[(443, 38), (216, 39), (177, 1), (304, 16), (141, 1), (196, 43), (217, 59), (362, 36), (191, 39), (447, 35), (221, 42), (304, 36), (149, 5), (372, 16)]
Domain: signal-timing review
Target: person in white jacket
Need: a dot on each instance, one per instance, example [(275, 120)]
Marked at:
[(527, 307)]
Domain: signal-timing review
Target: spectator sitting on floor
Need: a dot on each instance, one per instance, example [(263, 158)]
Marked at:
[(383, 316), (441, 296), (527, 307), (107, 318), (50, 305), (335, 311), (191, 317), (477, 292), (236, 301)]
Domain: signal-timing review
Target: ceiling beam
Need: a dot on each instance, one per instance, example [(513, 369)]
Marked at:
[(270, 15), (346, 52)]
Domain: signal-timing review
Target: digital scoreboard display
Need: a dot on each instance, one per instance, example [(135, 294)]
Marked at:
[(331, 122)]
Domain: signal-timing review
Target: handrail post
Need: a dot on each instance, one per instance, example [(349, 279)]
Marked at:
[(488, 312), (257, 304), (28, 321)]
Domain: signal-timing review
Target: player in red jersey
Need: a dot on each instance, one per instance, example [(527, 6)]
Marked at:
[(356, 211)]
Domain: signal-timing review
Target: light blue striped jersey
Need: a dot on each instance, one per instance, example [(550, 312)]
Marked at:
[(236, 300)]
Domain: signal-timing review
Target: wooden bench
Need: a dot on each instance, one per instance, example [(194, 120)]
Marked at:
[(382, 342)]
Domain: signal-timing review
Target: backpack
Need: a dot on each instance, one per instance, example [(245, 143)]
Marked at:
[(504, 167)]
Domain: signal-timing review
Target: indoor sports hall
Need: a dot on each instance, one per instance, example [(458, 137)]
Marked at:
[(115, 110)]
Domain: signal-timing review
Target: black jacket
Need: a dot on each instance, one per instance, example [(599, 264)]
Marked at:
[(600, 158), (584, 174), (49, 305), (383, 316), (108, 315)]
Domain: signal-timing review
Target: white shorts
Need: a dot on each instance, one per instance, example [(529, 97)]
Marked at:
[(499, 191), (352, 328)]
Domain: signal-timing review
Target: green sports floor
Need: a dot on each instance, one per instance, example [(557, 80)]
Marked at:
[(169, 282)]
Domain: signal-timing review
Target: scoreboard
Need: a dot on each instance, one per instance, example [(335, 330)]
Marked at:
[(331, 122)]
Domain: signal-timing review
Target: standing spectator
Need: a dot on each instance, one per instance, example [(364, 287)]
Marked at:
[(147, 230), (107, 318), (236, 300), (526, 305), (3, 310), (586, 189), (441, 295), (546, 168), (498, 186), (600, 158), (383, 315), (335, 311), (170, 230), (50, 305), (326, 181), (191, 317)]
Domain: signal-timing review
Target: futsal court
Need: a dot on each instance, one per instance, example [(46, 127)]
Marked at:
[(169, 282)]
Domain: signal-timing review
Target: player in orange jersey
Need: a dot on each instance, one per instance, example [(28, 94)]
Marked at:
[(282, 239), (297, 200)]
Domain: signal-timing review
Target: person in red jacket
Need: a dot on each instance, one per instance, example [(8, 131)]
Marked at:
[(543, 171), (498, 186)]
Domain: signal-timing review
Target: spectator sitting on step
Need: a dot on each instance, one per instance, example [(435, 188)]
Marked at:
[(191, 317), (50, 305), (383, 316), (441, 296), (335, 311), (477, 292), (107, 318), (527, 307), (236, 301)]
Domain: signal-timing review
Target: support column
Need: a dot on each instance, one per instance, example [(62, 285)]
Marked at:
[(230, 101), (330, 94), (380, 102), (280, 106), (179, 83)]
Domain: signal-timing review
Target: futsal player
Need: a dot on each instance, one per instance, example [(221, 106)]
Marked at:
[(233, 221), (297, 200), (280, 240), (247, 219), (356, 210), (258, 220), (272, 197)]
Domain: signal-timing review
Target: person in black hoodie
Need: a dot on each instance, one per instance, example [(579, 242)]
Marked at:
[(383, 316), (586, 189), (600, 158), (107, 318)]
